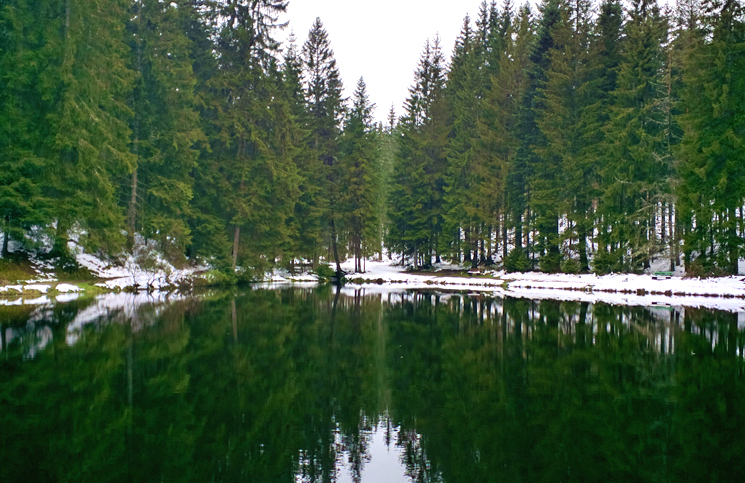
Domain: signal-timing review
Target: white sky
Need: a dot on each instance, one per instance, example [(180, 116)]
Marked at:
[(381, 40)]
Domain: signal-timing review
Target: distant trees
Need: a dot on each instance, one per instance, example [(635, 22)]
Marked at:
[(581, 140)]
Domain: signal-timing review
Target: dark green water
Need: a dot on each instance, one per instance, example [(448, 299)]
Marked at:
[(305, 385)]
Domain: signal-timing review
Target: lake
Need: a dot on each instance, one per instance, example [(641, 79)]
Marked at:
[(312, 385)]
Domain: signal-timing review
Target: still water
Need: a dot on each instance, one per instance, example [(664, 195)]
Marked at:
[(309, 385)]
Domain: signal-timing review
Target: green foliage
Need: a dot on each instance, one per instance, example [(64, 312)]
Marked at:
[(325, 272), (517, 261)]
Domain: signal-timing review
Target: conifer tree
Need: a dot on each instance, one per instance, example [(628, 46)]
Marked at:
[(245, 172), (712, 190), (86, 141), (540, 176), (501, 187), (568, 93), (165, 125), (634, 141), (461, 204), (360, 176), (325, 111), (23, 201), (415, 212)]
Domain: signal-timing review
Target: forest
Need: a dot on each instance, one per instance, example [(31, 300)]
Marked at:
[(571, 137)]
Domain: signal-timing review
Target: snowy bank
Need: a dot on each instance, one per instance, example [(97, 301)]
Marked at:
[(719, 293)]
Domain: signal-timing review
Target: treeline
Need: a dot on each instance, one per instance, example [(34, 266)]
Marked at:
[(184, 122), (579, 137)]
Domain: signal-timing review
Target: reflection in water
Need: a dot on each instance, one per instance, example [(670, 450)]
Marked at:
[(311, 386)]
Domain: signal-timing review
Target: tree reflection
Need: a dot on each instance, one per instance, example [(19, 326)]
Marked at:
[(289, 385)]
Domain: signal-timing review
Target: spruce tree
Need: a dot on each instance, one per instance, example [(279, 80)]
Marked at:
[(461, 203), (86, 138), (541, 176), (244, 172), (23, 199), (634, 141), (712, 189), (569, 91), (415, 211), (325, 112), (360, 175), (165, 126)]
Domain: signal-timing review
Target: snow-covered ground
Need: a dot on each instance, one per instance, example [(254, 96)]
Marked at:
[(720, 293)]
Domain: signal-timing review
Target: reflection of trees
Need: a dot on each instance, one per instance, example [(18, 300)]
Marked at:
[(272, 386), (557, 391)]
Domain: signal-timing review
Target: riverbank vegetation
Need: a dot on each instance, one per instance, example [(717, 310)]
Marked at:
[(579, 136)]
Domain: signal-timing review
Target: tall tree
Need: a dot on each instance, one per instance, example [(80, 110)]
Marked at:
[(86, 140), (360, 176), (569, 91), (325, 109), (23, 201), (712, 190), (250, 175), (165, 124), (634, 141), (415, 213), (461, 203)]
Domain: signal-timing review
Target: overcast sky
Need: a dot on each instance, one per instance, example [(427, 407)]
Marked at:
[(381, 40)]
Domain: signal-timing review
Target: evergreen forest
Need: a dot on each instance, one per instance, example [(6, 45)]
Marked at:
[(574, 136)]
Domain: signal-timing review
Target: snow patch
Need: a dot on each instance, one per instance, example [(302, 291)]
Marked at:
[(66, 288)]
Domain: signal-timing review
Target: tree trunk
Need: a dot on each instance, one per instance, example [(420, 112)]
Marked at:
[(583, 262), (236, 242), (132, 213), (504, 238), (336, 250), (6, 238), (672, 239)]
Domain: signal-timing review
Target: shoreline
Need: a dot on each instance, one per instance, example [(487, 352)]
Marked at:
[(725, 293)]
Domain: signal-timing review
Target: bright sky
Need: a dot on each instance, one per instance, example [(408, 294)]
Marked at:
[(381, 40)]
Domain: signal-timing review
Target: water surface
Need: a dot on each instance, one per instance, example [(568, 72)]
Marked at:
[(308, 385)]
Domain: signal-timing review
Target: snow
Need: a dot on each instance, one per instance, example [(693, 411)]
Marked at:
[(66, 287), (37, 287), (719, 293), (127, 270)]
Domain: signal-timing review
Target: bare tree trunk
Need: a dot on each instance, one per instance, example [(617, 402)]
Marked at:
[(504, 237), (335, 249), (132, 212), (6, 239), (236, 243)]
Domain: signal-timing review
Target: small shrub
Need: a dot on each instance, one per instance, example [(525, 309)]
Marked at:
[(570, 265), (517, 261), (325, 271)]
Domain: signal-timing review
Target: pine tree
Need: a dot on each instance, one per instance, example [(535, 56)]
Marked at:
[(23, 201), (634, 141), (415, 211), (712, 173), (569, 91), (325, 110), (165, 125), (86, 140), (360, 175)]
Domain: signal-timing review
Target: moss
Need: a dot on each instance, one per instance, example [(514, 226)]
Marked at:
[(13, 270)]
